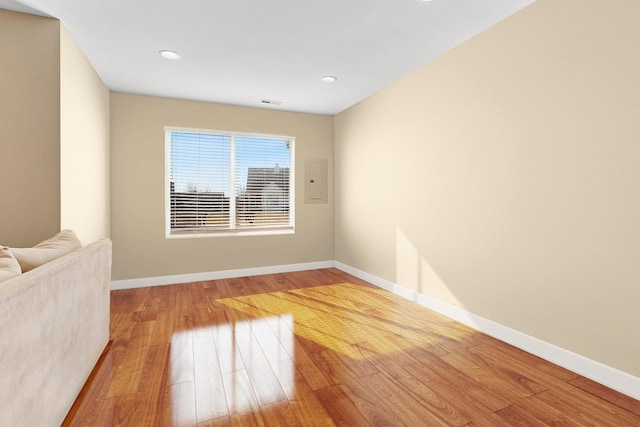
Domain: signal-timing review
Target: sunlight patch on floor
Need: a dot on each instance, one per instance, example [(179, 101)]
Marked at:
[(356, 321)]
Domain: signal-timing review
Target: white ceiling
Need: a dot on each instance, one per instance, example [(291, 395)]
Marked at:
[(242, 51)]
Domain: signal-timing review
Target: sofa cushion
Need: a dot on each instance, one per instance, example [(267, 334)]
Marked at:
[(9, 267), (61, 244)]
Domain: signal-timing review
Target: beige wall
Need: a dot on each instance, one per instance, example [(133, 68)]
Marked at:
[(84, 144), (138, 195), (504, 178), (29, 128)]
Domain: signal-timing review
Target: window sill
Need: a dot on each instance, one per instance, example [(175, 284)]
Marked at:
[(228, 233)]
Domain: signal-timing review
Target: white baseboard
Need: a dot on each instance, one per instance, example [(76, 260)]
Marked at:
[(596, 371), (216, 275)]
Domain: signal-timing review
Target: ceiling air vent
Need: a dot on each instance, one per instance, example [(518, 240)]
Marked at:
[(270, 102)]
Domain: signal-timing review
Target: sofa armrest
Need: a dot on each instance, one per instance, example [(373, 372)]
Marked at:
[(54, 324)]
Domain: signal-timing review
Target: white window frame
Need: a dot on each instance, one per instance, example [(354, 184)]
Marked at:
[(232, 231)]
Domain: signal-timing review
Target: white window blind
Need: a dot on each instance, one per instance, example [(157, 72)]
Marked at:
[(221, 183)]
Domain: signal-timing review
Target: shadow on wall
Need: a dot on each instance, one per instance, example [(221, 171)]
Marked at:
[(415, 273), (418, 281)]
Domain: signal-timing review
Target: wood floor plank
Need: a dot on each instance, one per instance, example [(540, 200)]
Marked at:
[(304, 403), (151, 305), (516, 416), (541, 377), (151, 393), (181, 404), (218, 422), (589, 410), (308, 408), (390, 349), (270, 343), (320, 348), (210, 395), (137, 299), (373, 390), (343, 411), (239, 393), (607, 394), (548, 414), (280, 414), (316, 378), (200, 316), (404, 405), (181, 363), (504, 351), (502, 369), (229, 357), (265, 384), (124, 410), (433, 367), (516, 385), (429, 398), (331, 295), (283, 329), (198, 293), (121, 325), (251, 419), (163, 327), (433, 345), (128, 369), (285, 372), (469, 404)]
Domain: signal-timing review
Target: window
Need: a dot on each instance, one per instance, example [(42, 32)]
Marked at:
[(228, 183)]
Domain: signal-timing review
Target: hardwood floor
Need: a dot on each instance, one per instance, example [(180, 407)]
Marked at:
[(320, 348)]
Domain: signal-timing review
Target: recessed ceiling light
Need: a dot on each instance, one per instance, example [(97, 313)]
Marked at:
[(329, 79), (169, 54)]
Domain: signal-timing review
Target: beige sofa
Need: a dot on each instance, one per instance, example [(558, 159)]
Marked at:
[(54, 325)]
